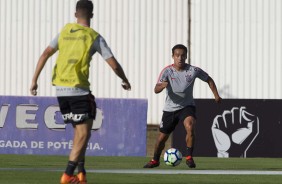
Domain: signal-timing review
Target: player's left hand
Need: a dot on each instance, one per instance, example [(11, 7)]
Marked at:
[(126, 85)]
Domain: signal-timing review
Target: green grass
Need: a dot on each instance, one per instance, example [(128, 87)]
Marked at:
[(33, 169)]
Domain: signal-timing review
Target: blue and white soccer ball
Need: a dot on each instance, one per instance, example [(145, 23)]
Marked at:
[(172, 157)]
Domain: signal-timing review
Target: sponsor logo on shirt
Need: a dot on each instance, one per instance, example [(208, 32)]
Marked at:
[(75, 30)]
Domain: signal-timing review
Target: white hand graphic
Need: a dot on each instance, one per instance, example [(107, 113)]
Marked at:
[(234, 131), (97, 123)]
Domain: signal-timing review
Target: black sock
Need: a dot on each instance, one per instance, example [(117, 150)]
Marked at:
[(189, 151), (70, 168), (157, 157), (80, 167)]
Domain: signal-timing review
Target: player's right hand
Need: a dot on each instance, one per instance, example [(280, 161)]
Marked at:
[(164, 84), (33, 89), (126, 85), (218, 99)]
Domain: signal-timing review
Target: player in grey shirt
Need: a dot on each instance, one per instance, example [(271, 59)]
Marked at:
[(178, 79), (180, 89)]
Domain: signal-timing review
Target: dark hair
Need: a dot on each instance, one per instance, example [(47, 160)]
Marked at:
[(179, 46), (85, 5)]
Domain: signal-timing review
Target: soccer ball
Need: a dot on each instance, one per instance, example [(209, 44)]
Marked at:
[(172, 157)]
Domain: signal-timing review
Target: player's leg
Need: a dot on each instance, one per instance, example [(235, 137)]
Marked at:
[(189, 124), (166, 127), (188, 118), (80, 142), (159, 146), (83, 110), (82, 133), (65, 109), (87, 105), (81, 157)]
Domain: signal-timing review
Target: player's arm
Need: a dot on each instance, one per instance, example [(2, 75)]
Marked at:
[(119, 72), (213, 88), (100, 45), (162, 81), (160, 87), (48, 52)]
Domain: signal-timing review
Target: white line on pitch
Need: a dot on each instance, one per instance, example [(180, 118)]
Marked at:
[(156, 171)]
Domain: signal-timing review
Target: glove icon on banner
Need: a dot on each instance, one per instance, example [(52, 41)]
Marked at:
[(234, 132)]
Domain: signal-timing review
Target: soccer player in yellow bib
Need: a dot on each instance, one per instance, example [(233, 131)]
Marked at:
[(76, 43)]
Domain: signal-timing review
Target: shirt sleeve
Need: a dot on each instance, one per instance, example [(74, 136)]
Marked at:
[(201, 74), (163, 76), (100, 45), (55, 42)]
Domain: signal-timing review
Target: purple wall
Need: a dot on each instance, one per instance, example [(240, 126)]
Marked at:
[(33, 125)]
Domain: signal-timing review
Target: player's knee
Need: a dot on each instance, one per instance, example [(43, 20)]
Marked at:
[(189, 123), (82, 137)]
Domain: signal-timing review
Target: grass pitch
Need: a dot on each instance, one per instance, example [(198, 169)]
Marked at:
[(33, 169)]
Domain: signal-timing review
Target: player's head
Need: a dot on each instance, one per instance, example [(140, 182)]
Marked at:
[(84, 9), (179, 55), (179, 46)]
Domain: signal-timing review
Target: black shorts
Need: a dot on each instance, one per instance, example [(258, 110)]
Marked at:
[(77, 109), (171, 119)]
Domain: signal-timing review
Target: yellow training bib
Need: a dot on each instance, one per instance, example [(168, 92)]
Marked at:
[(73, 62)]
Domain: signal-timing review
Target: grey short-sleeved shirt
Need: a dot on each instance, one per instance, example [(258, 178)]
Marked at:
[(179, 92)]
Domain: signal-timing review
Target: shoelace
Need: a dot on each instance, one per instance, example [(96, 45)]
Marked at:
[(74, 180)]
